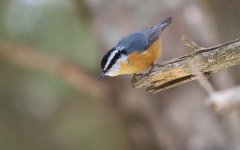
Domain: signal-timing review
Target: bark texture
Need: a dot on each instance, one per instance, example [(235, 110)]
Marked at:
[(179, 71)]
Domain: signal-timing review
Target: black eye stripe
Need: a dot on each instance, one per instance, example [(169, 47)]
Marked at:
[(115, 58), (105, 58)]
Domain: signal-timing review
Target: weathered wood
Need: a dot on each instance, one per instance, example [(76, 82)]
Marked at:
[(178, 71)]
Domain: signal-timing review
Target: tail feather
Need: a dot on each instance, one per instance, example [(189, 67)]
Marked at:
[(154, 32)]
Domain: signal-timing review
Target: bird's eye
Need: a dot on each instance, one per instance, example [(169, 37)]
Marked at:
[(124, 52)]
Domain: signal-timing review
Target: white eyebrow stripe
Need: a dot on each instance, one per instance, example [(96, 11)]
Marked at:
[(110, 58), (120, 48)]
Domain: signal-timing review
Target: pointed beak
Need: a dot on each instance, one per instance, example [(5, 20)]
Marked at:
[(101, 75)]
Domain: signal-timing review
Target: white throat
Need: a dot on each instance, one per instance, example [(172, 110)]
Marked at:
[(113, 71)]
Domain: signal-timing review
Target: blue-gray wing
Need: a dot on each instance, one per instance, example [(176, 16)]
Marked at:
[(141, 40), (135, 41)]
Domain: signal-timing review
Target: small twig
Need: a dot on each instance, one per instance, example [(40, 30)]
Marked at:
[(202, 79), (192, 45), (225, 101)]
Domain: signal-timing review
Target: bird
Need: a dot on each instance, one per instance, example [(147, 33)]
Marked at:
[(134, 53)]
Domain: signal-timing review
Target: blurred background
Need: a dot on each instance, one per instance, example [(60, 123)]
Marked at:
[(50, 53)]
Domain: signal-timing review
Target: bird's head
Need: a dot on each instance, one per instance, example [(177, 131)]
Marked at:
[(111, 61)]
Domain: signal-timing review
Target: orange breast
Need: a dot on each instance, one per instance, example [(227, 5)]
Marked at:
[(141, 61)]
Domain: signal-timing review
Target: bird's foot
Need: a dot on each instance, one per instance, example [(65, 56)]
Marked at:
[(144, 74), (138, 74), (151, 69)]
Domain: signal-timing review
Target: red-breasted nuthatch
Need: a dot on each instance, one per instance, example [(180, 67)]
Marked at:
[(134, 53)]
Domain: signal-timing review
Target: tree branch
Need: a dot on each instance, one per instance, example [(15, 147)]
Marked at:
[(225, 101), (178, 71), (71, 73)]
